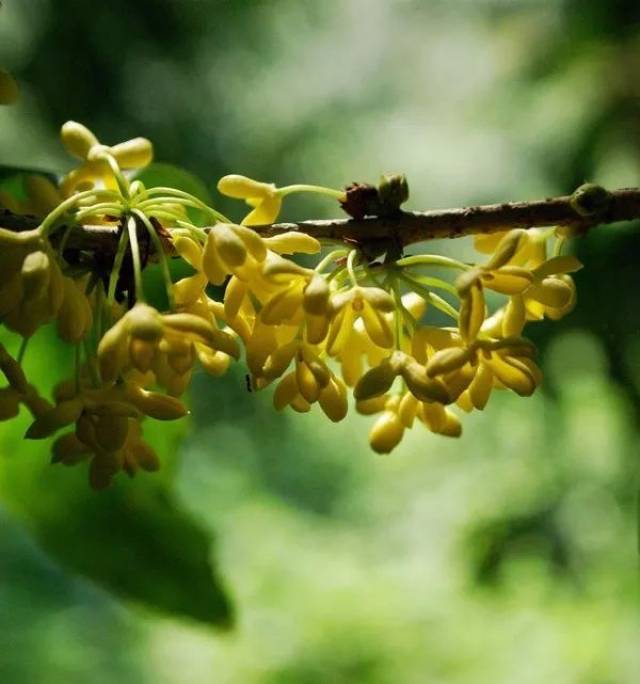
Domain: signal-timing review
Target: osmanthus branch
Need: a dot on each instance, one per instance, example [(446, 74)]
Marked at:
[(589, 206), (408, 227)]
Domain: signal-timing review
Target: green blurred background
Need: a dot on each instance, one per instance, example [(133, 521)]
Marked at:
[(509, 555)]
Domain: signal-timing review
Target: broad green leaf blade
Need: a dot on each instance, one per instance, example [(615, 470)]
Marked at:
[(134, 539)]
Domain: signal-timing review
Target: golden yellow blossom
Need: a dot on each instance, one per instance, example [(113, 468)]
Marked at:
[(263, 197)]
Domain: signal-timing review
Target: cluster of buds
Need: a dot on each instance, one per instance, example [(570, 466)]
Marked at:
[(357, 323)]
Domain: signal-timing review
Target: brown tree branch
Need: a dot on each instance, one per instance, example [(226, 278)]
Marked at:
[(408, 227), (417, 226)]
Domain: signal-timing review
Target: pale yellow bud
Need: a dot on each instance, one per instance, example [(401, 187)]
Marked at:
[(13, 372), (145, 456), (111, 431), (68, 450), (75, 316), (423, 387), (447, 360), (230, 247), (379, 299), (369, 407), (375, 381), (316, 295), (386, 433), (62, 414), (112, 351), (144, 323), (156, 405), (333, 400), (103, 467), (36, 269)]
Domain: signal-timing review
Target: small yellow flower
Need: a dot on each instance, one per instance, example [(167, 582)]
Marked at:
[(379, 379), (141, 337), (232, 249), (83, 144), (370, 304), (263, 197)]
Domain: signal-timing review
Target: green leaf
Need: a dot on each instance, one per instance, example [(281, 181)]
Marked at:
[(12, 179), (135, 539)]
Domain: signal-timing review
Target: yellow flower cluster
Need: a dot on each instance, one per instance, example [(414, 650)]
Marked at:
[(353, 323)]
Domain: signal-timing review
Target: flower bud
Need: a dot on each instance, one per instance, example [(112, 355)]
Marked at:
[(447, 360), (68, 450), (375, 381), (111, 431), (333, 400), (156, 405), (316, 295), (62, 414), (144, 323), (386, 433)]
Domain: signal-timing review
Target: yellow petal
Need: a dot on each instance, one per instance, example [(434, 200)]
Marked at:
[(266, 212), (189, 250), (293, 242), (377, 327), (509, 280), (133, 154), (77, 139), (481, 386), (472, 313), (514, 317), (505, 249), (286, 391), (241, 187)]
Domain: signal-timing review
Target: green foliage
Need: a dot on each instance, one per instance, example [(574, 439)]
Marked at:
[(134, 539)]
